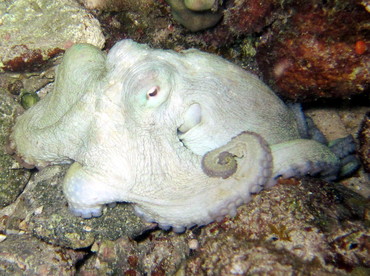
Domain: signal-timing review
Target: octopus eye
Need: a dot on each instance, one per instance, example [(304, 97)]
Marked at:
[(152, 92)]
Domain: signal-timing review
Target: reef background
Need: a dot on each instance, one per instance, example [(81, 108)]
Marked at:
[(315, 52)]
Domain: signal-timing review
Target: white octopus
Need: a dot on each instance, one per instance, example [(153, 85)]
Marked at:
[(186, 137)]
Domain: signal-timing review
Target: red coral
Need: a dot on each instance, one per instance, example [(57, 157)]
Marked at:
[(314, 55), (360, 47), (28, 59), (248, 16), (240, 18)]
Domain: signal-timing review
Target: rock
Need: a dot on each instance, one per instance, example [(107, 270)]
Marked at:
[(159, 254), (32, 33), (239, 17), (249, 16), (153, 24), (339, 120), (118, 5), (25, 255), (17, 84), (143, 21), (42, 210), (296, 227), (293, 228), (321, 52), (290, 229), (364, 137), (12, 178)]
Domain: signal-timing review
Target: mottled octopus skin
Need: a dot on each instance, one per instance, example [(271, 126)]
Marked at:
[(137, 122)]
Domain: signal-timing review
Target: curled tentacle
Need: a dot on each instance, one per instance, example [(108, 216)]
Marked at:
[(245, 155), (219, 164)]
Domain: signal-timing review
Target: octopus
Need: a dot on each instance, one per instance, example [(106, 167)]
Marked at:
[(186, 137)]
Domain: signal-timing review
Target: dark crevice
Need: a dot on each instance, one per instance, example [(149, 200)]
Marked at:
[(145, 234), (82, 261)]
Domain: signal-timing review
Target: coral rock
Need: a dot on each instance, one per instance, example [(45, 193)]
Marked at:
[(25, 255), (249, 16), (319, 53), (364, 137), (117, 5), (12, 179), (33, 33)]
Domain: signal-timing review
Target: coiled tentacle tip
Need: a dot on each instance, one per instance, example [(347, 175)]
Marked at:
[(219, 164)]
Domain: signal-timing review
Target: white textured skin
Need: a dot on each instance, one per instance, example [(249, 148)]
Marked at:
[(118, 119)]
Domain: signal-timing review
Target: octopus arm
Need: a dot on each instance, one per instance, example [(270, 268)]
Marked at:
[(87, 192), (211, 191), (246, 155), (303, 157)]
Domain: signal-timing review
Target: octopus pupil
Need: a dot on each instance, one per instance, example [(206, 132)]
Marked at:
[(154, 92)]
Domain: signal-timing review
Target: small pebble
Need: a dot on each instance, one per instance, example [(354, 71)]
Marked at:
[(2, 237), (193, 244), (87, 228)]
